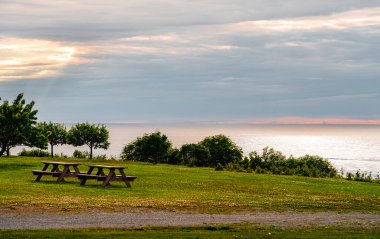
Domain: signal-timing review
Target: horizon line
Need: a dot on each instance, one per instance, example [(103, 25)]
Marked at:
[(265, 121)]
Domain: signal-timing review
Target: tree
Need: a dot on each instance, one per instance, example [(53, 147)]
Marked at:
[(152, 148), (17, 125), (55, 133), (222, 150), (94, 136), (194, 154)]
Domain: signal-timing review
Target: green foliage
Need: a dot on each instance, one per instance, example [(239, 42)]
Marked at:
[(219, 167), (194, 155), (361, 177), (34, 153), (81, 154), (174, 157), (221, 153), (17, 121), (94, 136), (86, 155), (271, 161), (152, 148), (222, 150), (55, 133)]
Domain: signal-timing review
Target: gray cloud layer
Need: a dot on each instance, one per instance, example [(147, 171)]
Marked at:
[(196, 60)]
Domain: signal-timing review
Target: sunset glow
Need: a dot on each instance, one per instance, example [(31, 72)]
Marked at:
[(316, 121), (33, 58)]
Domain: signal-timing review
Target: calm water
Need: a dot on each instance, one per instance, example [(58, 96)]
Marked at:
[(347, 147)]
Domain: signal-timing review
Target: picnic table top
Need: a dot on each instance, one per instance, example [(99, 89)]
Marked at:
[(60, 163), (105, 166)]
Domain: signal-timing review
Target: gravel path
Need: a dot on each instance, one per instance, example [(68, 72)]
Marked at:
[(118, 220)]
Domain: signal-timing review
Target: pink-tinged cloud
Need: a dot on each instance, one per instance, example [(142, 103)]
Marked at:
[(316, 121), (356, 18), (22, 58)]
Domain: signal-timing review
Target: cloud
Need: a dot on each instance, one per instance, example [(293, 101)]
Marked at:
[(155, 38), (34, 58), (192, 59), (351, 19)]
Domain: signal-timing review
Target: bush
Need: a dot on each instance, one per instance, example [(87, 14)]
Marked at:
[(219, 167), (173, 156), (34, 153), (81, 154), (222, 150), (194, 155), (360, 176), (275, 162), (101, 157), (152, 148)]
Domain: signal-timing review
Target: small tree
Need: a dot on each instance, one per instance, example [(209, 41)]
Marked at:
[(153, 148), (94, 136), (55, 133), (17, 121), (194, 154), (222, 150)]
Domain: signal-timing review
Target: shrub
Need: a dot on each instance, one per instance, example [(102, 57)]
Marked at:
[(321, 166), (81, 154), (101, 157), (360, 176), (222, 150), (173, 156), (349, 176), (194, 155), (34, 153), (219, 167), (275, 162), (152, 148)]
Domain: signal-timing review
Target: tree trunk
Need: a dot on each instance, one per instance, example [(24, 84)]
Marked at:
[(51, 150), (90, 152), (3, 149), (8, 151)]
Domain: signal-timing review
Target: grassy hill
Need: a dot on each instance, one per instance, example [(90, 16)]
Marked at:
[(181, 188)]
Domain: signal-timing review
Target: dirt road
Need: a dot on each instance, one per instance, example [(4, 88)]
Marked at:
[(162, 218)]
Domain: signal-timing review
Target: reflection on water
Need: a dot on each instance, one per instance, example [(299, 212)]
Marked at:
[(347, 147)]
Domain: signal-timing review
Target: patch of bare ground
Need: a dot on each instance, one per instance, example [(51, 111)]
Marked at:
[(141, 218)]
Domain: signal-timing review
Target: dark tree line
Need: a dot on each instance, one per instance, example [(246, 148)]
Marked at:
[(220, 152), (18, 126), (156, 148)]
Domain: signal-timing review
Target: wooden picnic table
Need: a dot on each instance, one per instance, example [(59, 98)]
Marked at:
[(101, 175), (56, 171)]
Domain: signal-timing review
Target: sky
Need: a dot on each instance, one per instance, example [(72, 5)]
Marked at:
[(193, 61)]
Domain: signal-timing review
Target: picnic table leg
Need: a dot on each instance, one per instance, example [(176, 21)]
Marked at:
[(101, 173), (84, 180), (63, 174), (125, 179), (76, 169), (55, 168), (40, 175), (109, 177)]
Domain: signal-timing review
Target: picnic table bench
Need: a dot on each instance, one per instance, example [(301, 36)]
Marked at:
[(56, 171), (101, 175)]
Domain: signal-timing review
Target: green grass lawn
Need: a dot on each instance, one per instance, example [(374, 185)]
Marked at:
[(181, 188), (226, 231)]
